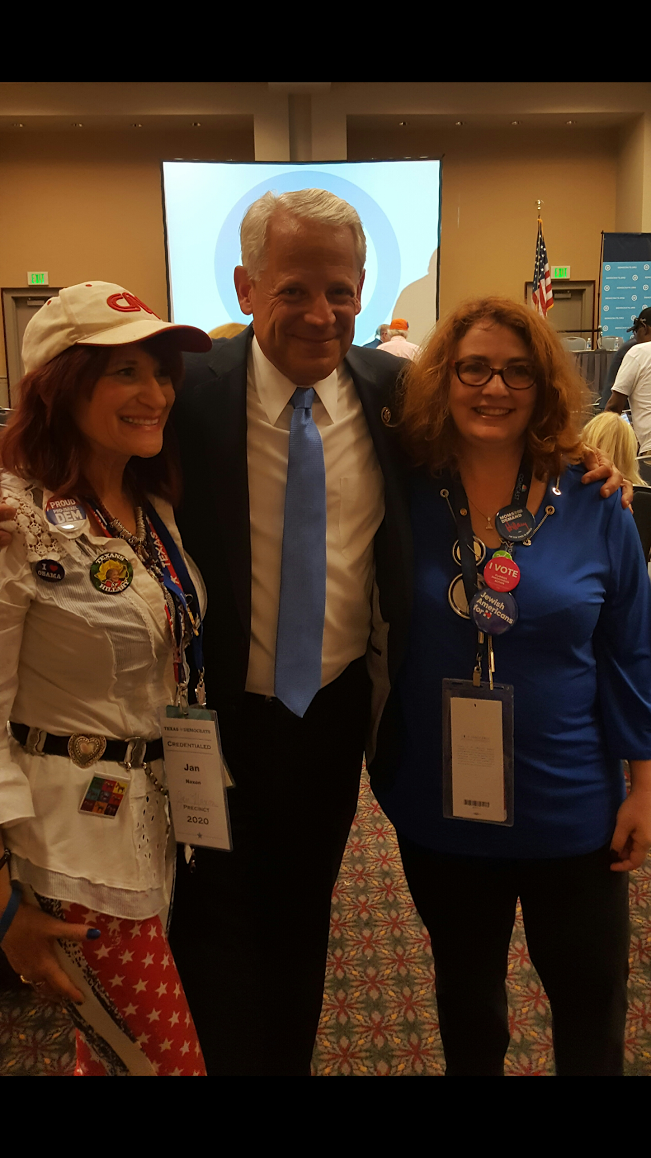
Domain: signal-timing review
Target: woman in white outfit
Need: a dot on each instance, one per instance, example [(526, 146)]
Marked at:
[(97, 607)]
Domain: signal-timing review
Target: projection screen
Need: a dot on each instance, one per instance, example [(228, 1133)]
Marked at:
[(398, 203)]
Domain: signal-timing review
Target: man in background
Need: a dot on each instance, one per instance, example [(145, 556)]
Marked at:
[(613, 369), (632, 386), (378, 339), (395, 340)]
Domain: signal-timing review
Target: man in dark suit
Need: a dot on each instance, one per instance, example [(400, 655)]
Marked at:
[(250, 928)]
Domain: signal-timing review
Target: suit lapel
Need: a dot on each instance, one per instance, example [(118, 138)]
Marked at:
[(393, 544), (374, 399), (227, 427)]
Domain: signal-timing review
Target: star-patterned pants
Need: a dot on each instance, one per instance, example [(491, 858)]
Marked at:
[(135, 1020)]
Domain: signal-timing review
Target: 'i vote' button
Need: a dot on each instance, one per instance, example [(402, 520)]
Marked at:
[(501, 573)]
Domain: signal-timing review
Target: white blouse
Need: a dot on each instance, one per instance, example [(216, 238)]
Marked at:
[(75, 660)]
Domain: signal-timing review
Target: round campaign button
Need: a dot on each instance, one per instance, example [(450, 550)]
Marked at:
[(502, 555), (457, 597), (50, 571), (514, 523), (478, 547), (502, 574), (66, 514), (492, 612), (111, 573)]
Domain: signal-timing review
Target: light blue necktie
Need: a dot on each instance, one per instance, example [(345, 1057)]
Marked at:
[(301, 610)]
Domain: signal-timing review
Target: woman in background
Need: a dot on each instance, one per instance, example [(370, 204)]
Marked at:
[(614, 434)]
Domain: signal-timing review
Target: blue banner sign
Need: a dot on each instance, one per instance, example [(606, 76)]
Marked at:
[(625, 290)]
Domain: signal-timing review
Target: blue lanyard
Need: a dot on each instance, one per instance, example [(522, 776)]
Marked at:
[(183, 594), (186, 594)]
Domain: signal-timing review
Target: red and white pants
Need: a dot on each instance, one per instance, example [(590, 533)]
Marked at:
[(135, 1020)]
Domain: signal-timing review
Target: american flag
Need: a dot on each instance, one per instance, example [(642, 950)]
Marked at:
[(543, 298)]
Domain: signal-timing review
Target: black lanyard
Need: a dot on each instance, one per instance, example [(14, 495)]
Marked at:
[(515, 516), (461, 512)]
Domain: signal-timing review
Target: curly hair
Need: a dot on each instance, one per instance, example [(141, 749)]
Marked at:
[(562, 399), (42, 441)]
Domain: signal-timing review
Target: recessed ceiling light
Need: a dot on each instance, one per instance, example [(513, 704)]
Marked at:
[(196, 124), (136, 125), (515, 122), (402, 124), (570, 122), (458, 122), (77, 125)]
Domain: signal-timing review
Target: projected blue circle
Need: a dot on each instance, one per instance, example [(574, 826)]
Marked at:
[(376, 226)]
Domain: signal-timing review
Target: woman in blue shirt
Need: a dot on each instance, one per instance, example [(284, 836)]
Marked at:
[(491, 397)]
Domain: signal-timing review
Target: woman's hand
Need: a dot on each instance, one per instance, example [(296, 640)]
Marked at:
[(632, 836), (29, 948), (599, 466)]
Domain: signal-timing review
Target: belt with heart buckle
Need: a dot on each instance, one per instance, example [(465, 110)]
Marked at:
[(85, 750)]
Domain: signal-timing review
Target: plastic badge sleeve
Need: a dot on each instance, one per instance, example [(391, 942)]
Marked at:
[(478, 752), (196, 777)]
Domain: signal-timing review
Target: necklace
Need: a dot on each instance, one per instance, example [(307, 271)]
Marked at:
[(489, 518), (138, 541)]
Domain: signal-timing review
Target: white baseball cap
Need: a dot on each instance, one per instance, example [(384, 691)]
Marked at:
[(97, 313)]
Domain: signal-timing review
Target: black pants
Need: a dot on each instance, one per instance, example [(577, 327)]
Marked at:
[(250, 928), (575, 913)]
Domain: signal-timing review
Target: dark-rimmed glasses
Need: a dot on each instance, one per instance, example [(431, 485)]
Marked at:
[(474, 372)]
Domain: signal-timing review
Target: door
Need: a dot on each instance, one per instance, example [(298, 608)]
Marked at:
[(18, 308), (573, 311)]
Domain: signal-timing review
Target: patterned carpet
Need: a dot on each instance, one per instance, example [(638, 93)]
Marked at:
[(379, 1013)]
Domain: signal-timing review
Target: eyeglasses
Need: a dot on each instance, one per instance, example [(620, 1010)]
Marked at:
[(474, 372)]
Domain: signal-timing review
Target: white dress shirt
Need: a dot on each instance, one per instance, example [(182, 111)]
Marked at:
[(399, 347), (77, 661), (355, 509)]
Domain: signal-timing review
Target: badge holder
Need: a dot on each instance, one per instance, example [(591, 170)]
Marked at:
[(478, 751), (197, 776)]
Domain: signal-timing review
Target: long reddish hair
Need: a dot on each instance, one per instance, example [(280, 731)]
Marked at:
[(562, 399), (42, 440)]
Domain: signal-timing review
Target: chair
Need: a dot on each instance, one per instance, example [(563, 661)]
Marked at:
[(642, 516), (576, 344)]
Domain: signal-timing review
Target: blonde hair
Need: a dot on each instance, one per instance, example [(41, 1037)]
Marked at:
[(562, 398), (611, 433), (307, 204)]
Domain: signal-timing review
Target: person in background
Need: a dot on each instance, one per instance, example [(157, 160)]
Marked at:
[(395, 340), (617, 359), (95, 595), (522, 571), (613, 434), (230, 330), (632, 386), (380, 334)]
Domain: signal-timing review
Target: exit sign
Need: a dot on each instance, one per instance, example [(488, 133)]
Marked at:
[(559, 272), (38, 278)]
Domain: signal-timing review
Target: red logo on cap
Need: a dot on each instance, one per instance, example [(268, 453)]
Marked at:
[(130, 304)]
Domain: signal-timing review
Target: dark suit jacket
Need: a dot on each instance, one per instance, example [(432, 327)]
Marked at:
[(210, 421)]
